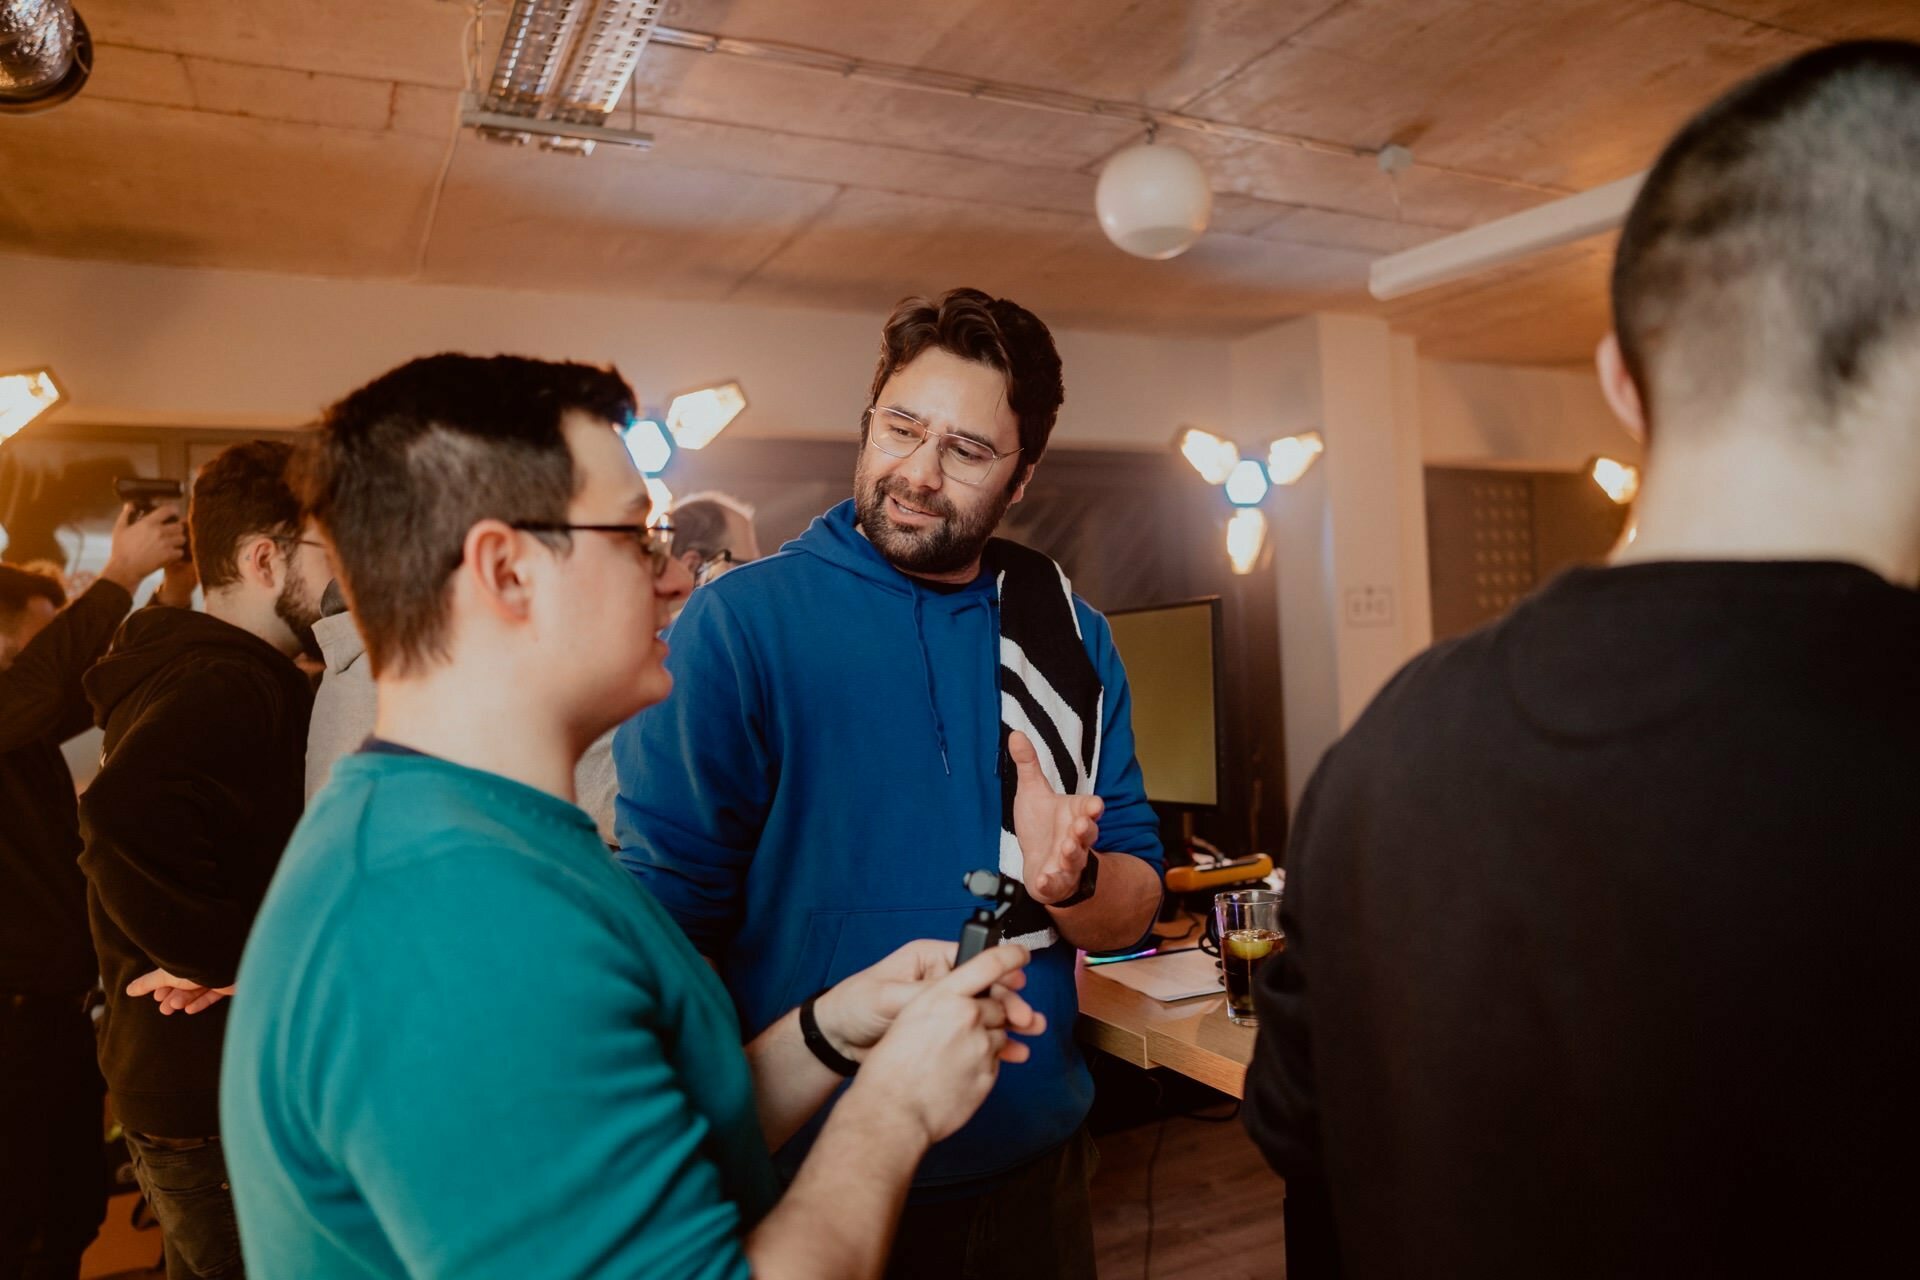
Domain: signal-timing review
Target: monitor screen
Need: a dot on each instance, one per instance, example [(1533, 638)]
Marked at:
[(1168, 653)]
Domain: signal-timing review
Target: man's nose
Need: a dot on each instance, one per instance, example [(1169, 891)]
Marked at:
[(922, 467)]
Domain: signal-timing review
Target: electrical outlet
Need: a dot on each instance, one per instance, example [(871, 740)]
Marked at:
[(1370, 607)]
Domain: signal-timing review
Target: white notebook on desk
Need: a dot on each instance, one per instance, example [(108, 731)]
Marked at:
[(1169, 976)]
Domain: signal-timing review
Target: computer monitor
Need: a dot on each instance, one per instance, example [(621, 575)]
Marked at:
[(1172, 656)]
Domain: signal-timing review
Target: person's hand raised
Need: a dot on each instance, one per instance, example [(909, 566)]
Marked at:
[(1056, 832), (141, 546)]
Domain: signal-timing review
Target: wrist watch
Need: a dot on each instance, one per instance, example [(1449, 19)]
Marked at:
[(1089, 880), (818, 1044)]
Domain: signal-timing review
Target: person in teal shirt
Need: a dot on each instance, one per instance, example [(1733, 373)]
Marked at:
[(463, 1041)]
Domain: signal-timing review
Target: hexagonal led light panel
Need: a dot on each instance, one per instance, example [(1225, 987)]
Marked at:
[(650, 446)]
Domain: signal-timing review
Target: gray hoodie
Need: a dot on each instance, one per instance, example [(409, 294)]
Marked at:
[(343, 716)]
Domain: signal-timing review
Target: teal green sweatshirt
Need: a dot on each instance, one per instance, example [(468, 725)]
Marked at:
[(466, 1043)]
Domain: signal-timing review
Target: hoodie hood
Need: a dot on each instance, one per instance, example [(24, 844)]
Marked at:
[(836, 538), (153, 639), (339, 640)]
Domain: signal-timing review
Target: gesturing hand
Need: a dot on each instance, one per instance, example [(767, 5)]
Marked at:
[(1056, 832), (175, 995)]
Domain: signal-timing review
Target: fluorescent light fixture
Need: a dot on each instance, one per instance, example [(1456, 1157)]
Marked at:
[(1293, 456), (650, 446), (1489, 245), (1246, 535), (1247, 483), (662, 499), (1213, 457), (24, 397), (555, 135), (698, 416), (1620, 480), (563, 66)]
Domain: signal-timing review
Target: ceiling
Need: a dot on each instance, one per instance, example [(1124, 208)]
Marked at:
[(321, 139)]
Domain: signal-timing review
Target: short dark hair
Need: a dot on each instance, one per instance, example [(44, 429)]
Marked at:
[(242, 493), (19, 586), (401, 469), (991, 331), (1776, 233), (700, 523)]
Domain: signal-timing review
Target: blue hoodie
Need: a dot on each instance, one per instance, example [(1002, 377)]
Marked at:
[(823, 775)]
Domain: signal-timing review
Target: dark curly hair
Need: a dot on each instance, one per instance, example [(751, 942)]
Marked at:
[(991, 331)]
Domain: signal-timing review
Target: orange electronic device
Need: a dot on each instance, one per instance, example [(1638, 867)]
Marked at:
[(1218, 875)]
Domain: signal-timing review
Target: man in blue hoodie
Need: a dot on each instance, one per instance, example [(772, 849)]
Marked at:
[(855, 728)]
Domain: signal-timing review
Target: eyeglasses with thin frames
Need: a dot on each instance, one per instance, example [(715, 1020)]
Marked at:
[(713, 566), (962, 458), (656, 540)]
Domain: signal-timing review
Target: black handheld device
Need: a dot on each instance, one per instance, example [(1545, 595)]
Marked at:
[(144, 493), (982, 929)]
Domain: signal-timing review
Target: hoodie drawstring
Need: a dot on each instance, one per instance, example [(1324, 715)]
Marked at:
[(926, 665)]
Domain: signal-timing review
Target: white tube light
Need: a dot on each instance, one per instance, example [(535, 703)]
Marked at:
[(1213, 457), (24, 397), (1619, 480), (1291, 457), (1246, 535), (697, 417), (1489, 245)]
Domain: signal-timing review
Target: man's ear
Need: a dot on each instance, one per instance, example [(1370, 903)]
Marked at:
[(691, 559), (258, 561), (1020, 486), (1617, 385), (495, 567)]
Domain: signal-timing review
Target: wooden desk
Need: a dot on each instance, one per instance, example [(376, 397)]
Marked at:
[(1193, 1037)]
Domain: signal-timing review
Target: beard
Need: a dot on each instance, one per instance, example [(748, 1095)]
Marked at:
[(296, 607), (947, 547)]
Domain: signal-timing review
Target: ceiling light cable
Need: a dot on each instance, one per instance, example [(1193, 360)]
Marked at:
[(1002, 93)]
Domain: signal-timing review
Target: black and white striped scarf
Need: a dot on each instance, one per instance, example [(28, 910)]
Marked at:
[(1050, 691)]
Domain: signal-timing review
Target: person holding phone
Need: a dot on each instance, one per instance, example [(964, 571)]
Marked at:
[(52, 1195), (464, 1041)]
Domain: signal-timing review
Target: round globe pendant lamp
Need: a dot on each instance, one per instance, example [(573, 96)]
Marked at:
[(1153, 200)]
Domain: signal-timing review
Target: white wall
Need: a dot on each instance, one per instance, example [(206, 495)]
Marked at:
[(1356, 523), (1504, 415), (167, 345)]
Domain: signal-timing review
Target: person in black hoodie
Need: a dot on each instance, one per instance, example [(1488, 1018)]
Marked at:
[(1600, 920), (200, 786), (52, 1185)]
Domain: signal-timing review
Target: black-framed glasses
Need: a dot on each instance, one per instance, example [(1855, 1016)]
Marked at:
[(962, 458), (713, 566), (289, 541), (656, 539)]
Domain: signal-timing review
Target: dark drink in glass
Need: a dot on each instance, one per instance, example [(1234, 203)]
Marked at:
[(1247, 923), (1242, 952)]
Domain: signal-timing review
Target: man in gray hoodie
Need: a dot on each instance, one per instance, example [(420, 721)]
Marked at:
[(344, 708)]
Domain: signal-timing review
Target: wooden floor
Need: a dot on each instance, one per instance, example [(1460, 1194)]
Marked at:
[(1216, 1211), (1216, 1205)]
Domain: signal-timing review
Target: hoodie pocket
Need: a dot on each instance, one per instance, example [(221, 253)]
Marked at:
[(810, 966), (866, 937)]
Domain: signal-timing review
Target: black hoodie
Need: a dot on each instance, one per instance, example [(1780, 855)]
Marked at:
[(44, 948), (206, 729), (1600, 932)]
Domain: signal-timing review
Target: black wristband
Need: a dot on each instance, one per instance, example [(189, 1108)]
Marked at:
[(818, 1044), (1089, 882)]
